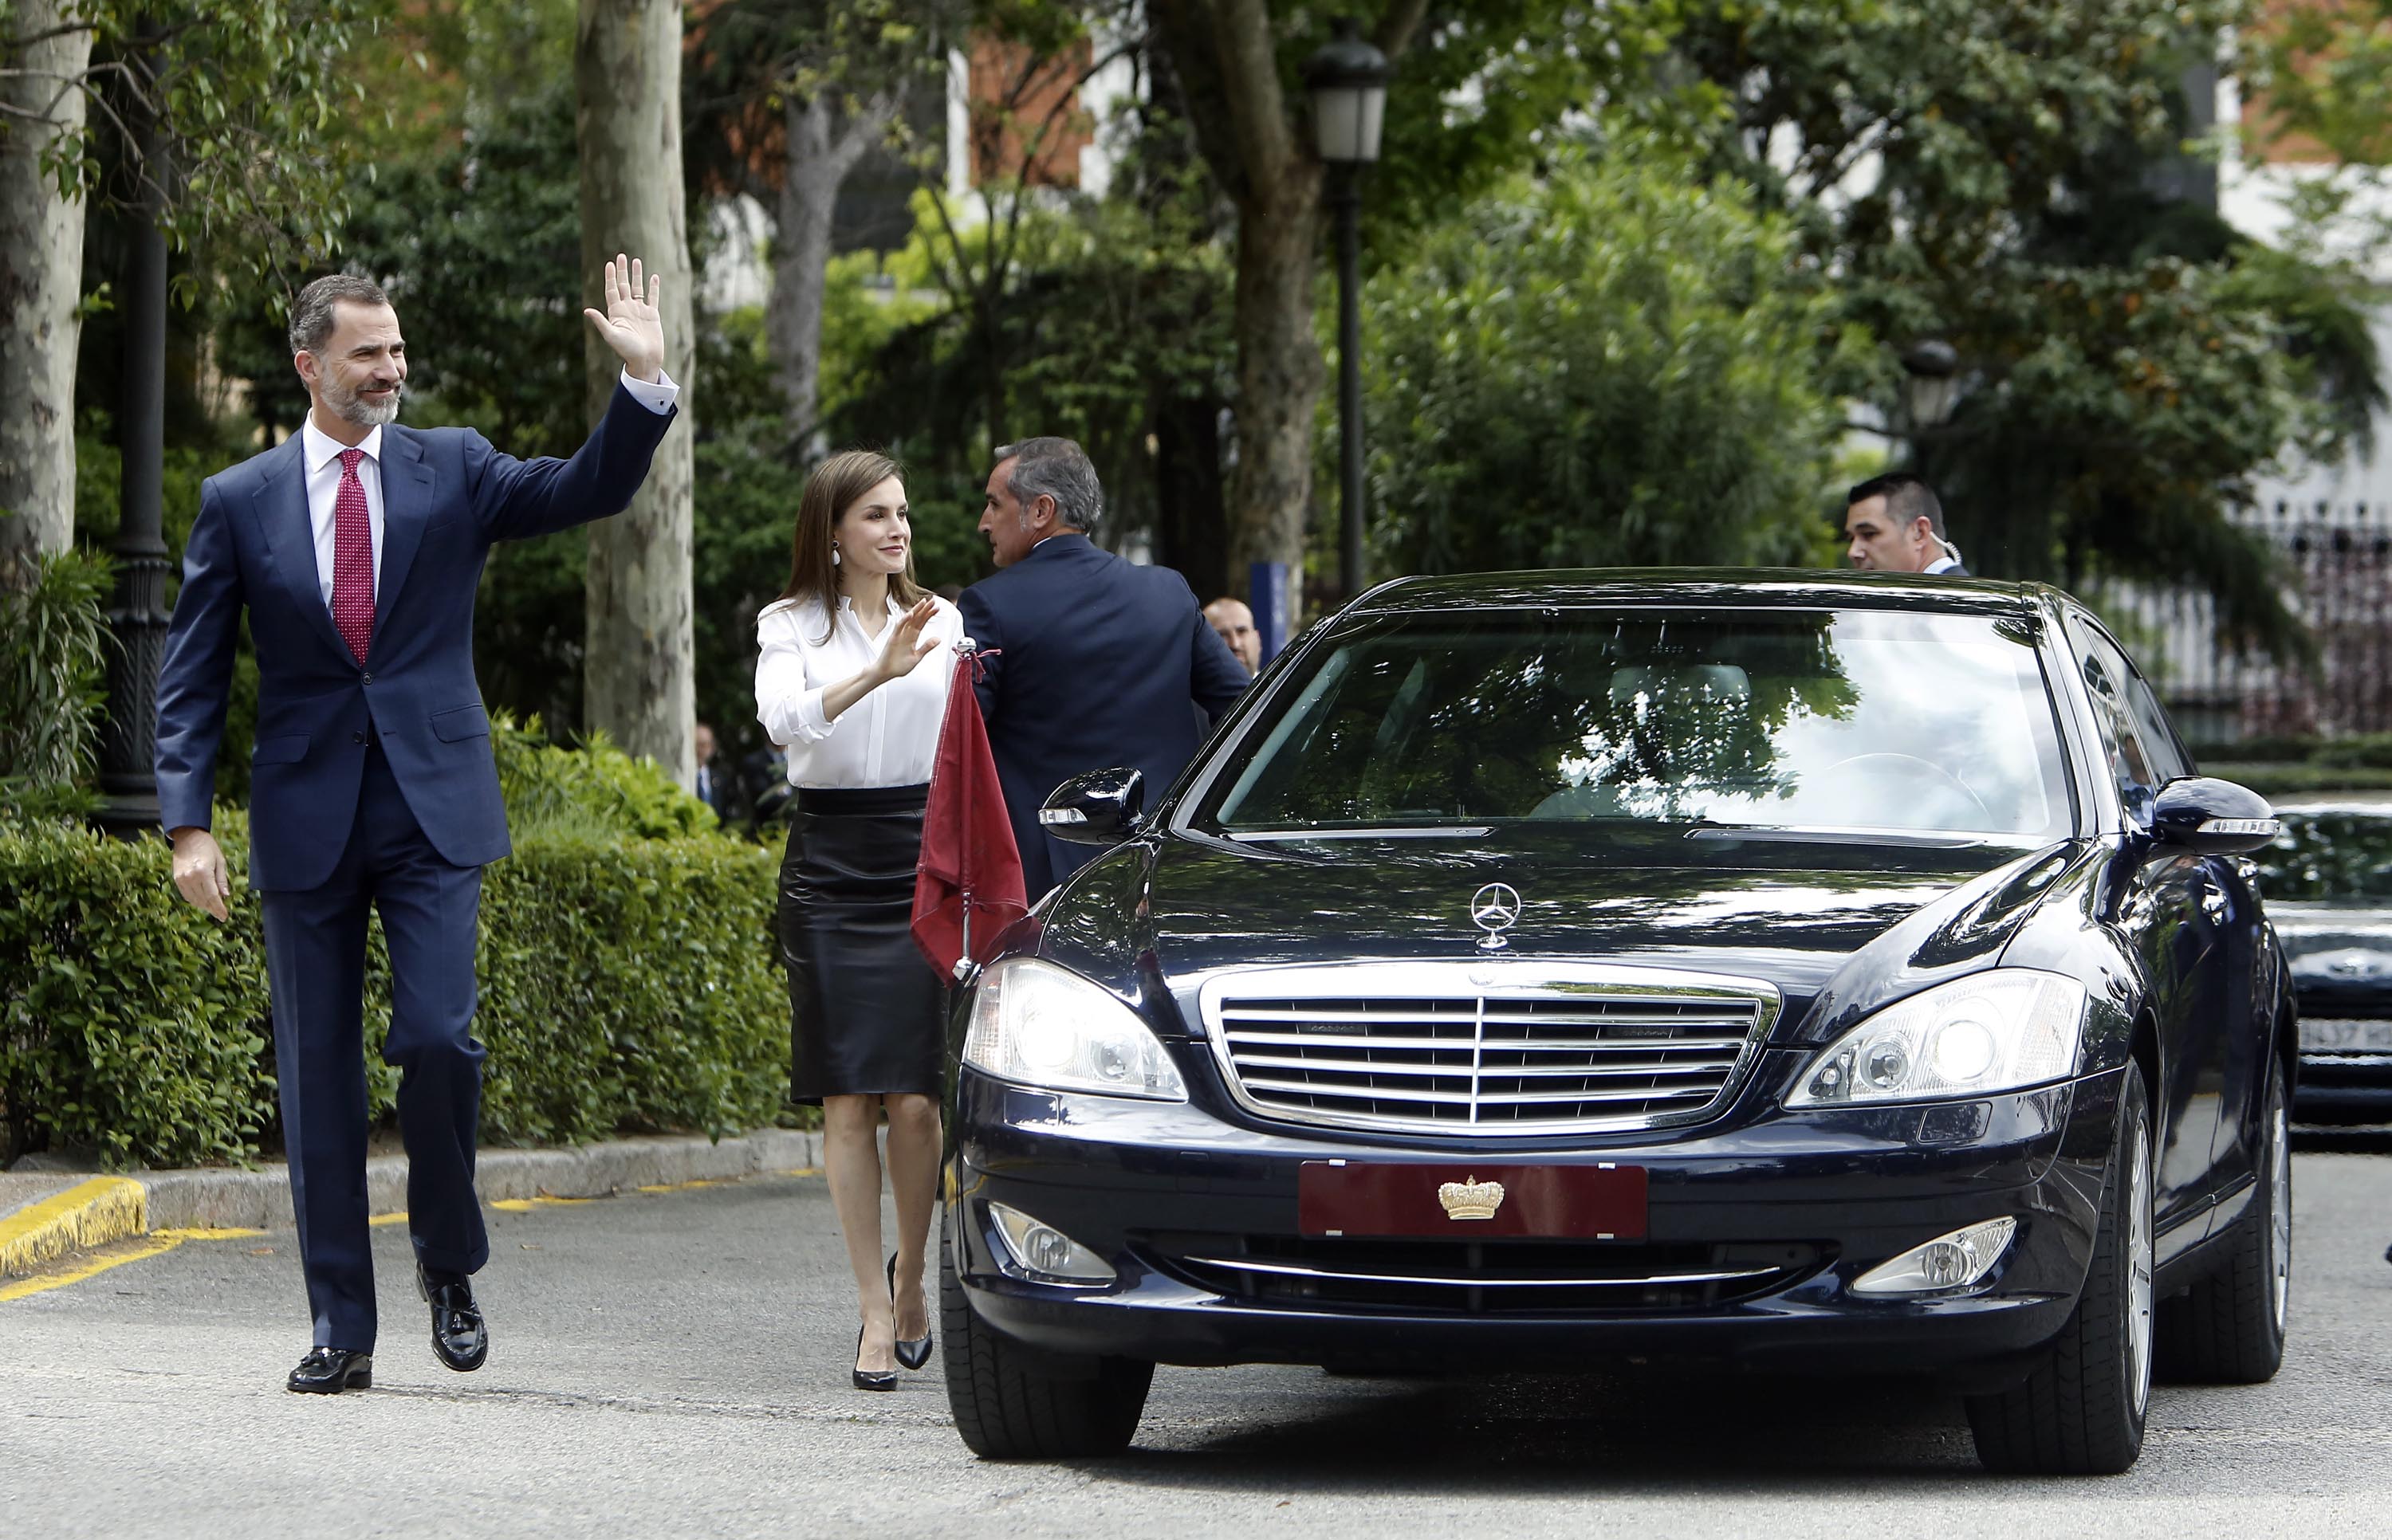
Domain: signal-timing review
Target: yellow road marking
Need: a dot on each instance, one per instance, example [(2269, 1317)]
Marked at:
[(87, 1214), (117, 1255), (158, 1242)]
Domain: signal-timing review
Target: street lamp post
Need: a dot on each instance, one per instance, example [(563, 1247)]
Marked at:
[(1348, 82), (137, 616)]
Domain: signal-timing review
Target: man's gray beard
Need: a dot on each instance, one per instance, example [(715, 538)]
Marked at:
[(349, 406)]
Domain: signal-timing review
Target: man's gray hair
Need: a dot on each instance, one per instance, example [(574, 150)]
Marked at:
[(1059, 468), (311, 312)]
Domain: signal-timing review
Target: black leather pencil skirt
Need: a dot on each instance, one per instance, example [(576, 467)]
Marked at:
[(863, 1005)]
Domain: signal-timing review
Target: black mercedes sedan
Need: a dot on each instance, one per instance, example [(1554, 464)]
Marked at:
[(1808, 972)]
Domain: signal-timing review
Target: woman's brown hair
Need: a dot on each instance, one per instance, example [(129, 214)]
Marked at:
[(837, 484)]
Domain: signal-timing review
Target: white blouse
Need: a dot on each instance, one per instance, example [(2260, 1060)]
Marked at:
[(890, 736)]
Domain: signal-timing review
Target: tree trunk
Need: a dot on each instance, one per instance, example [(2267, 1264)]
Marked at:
[(1280, 373), (1192, 532), (638, 674), (41, 281), (819, 160)]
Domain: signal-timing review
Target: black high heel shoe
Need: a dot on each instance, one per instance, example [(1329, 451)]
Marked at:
[(912, 1351), (871, 1379)]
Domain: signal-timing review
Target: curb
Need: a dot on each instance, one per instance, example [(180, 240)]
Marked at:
[(112, 1207), (90, 1214)]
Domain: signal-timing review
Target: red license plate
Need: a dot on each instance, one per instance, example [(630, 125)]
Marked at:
[(1599, 1201)]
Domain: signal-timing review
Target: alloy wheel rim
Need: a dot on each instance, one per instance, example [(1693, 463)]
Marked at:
[(2139, 1284), (2280, 1203)]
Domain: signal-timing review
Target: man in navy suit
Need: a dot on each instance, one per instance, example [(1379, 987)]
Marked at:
[(356, 546), (1101, 662)]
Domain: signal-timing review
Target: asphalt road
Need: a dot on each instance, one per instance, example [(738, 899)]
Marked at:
[(676, 1363)]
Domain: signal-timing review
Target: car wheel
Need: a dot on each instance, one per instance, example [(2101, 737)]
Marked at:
[(2081, 1411), (2230, 1330), (1013, 1403)]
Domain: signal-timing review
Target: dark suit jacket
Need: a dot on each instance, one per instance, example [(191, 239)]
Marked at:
[(1103, 662), (447, 495)]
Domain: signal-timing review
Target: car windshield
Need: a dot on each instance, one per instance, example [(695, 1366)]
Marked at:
[(1767, 719), (2328, 854)]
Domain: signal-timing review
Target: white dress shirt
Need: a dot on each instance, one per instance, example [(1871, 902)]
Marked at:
[(889, 738), (1941, 563), (322, 452)]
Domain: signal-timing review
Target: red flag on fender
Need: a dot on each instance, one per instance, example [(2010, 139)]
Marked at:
[(969, 886)]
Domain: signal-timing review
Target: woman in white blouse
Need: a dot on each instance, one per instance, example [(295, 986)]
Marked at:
[(847, 680)]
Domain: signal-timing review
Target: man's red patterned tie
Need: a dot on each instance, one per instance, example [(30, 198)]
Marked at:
[(353, 574)]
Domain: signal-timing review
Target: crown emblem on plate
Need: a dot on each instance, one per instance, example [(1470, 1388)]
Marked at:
[(1471, 1199)]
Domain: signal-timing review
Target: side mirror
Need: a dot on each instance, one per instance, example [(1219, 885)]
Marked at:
[(2212, 817), (1100, 807)]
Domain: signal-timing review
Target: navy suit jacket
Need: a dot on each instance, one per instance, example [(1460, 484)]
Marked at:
[(447, 495), (1100, 661)]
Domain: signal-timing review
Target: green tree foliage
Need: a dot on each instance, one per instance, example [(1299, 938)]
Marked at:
[(1612, 365), (2324, 69), (2011, 177)]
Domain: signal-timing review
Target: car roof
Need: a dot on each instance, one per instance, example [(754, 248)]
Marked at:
[(1756, 587)]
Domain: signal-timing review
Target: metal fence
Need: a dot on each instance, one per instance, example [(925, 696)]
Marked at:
[(2338, 558)]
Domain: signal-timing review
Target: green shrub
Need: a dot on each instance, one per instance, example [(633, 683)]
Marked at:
[(628, 984), (2279, 780), (53, 676), (130, 1023), (595, 791)]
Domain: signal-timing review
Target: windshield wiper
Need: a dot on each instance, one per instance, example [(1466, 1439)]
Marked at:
[(1433, 831), (1799, 834)]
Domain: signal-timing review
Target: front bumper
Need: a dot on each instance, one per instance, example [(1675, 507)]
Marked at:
[(2344, 1087), (1149, 1185)]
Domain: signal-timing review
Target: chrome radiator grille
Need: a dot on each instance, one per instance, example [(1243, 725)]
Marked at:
[(1533, 1050)]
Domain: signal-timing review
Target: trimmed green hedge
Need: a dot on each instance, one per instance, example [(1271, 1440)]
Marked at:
[(628, 983)]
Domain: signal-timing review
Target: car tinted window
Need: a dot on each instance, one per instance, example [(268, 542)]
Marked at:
[(2108, 682), (1766, 718)]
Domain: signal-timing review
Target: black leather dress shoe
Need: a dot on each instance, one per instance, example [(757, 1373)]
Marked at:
[(459, 1338), (329, 1371)]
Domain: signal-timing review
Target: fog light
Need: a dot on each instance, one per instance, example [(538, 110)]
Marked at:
[(1044, 1254), (1948, 1261)]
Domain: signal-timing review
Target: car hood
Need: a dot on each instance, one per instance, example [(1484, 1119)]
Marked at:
[(2338, 952), (1839, 928)]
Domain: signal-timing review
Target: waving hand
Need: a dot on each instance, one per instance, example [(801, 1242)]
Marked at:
[(629, 325)]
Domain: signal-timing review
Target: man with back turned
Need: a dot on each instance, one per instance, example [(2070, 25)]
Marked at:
[(1101, 662), (354, 547)]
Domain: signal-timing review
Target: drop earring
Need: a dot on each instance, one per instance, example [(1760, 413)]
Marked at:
[(834, 556)]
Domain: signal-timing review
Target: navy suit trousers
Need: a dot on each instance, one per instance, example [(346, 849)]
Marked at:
[(314, 959)]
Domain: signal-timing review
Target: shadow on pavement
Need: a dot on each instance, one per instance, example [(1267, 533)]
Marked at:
[(1566, 1434)]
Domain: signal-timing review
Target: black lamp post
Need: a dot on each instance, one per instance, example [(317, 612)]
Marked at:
[(1348, 81), (137, 616)]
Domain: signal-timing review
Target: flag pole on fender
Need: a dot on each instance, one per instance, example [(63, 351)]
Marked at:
[(970, 867)]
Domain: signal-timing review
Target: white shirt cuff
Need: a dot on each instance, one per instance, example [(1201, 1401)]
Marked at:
[(807, 721), (657, 397)]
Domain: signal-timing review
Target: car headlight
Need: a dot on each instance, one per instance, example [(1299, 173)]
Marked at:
[(2004, 1029), (1039, 1025)]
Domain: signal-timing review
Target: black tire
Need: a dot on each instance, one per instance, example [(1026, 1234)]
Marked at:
[(2230, 1330), (2081, 1412), (1012, 1402)]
